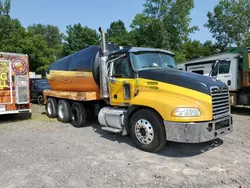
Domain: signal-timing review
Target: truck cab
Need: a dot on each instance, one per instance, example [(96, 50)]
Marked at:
[(148, 96), (229, 71), (37, 86)]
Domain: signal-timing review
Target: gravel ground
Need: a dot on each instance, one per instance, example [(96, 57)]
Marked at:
[(39, 152)]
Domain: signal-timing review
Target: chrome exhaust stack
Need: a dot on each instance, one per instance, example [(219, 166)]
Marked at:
[(103, 68)]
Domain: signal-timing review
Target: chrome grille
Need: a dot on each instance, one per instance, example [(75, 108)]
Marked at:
[(220, 102), (22, 89)]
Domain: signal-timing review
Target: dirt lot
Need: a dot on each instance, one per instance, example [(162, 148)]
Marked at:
[(40, 152)]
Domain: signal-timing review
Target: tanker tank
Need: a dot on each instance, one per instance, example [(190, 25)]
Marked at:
[(79, 71)]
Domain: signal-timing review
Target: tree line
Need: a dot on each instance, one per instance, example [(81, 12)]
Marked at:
[(161, 24)]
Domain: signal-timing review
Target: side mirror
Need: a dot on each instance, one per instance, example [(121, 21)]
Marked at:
[(110, 65), (112, 79)]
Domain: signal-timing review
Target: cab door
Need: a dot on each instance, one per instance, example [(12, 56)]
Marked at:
[(121, 82), (226, 70)]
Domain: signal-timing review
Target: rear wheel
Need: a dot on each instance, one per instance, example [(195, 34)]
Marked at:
[(64, 111), (51, 107), (147, 130), (78, 115)]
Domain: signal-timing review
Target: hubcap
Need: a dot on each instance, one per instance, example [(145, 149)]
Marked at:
[(144, 131), (60, 111)]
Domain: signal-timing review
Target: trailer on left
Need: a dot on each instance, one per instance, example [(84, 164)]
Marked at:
[(14, 83)]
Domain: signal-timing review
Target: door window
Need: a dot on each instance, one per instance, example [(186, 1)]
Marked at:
[(122, 68), (224, 67)]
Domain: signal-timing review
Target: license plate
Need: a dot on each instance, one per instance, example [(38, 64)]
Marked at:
[(2, 108), (222, 124)]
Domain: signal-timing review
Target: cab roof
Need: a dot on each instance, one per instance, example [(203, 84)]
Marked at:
[(140, 49)]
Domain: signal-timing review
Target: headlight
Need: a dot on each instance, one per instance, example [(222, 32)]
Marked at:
[(186, 112)]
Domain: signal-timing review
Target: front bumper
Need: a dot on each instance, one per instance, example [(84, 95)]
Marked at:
[(16, 111), (198, 132)]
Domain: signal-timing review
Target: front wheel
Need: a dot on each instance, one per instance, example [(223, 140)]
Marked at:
[(40, 100), (147, 130)]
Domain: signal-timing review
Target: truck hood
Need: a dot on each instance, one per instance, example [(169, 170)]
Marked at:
[(43, 87), (188, 80)]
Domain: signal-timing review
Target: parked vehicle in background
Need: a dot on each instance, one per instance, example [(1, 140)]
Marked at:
[(37, 86), (231, 67), (138, 92), (14, 83)]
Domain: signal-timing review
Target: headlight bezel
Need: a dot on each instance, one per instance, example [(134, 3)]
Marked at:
[(183, 112)]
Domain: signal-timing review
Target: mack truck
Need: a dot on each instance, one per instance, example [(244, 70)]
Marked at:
[(14, 83), (137, 92), (231, 67)]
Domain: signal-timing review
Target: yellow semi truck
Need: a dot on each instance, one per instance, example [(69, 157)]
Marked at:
[(138, 92)]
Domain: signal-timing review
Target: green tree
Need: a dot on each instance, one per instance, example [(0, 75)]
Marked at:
[(230, 24), (171, 22), (146, 31), (118, 34), (5, 8), (12, 34), (51, 35), (40, 55), (14, 38), (116, 29), (79, 37), (195, 49)]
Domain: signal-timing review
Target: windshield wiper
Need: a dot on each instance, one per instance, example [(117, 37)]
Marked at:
[(170, 66), (153, 65)]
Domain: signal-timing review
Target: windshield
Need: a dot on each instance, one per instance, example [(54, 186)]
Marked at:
[(146, 60), (42, 83)]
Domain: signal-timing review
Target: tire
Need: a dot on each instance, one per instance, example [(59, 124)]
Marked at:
[(155, 137), (78, 115), (40, 100), (64, 111), (51, 107)]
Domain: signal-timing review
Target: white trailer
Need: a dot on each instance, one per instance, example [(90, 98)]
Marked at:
[(231, 67)]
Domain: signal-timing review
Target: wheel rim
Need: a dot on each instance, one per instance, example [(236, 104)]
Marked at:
[(49, 108), (40, 100), (144, 131), (61, 111)]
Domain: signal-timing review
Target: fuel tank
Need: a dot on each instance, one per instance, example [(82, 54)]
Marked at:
[(78, 71)]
